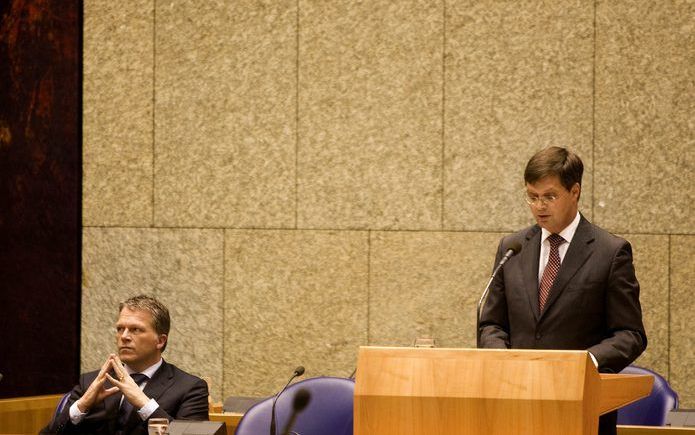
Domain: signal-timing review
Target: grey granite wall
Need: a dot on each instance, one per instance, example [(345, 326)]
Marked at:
[(296, 179)]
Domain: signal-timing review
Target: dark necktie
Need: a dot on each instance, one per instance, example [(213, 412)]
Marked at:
[(126, 407), (551, 269)]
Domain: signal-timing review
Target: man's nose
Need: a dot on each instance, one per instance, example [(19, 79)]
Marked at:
[(541, 205)]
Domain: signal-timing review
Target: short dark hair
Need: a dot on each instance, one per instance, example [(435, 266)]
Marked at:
[(161, 322), (563, 163)]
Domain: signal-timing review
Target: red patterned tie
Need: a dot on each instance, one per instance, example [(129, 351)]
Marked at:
[(551, 269)]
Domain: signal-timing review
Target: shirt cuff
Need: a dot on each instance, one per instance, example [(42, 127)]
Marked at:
[(76, 415), (148, 409), (593, 358)]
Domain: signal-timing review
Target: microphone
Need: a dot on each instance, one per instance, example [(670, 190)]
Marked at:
[(299, 371), (512, 250), (301, 400)]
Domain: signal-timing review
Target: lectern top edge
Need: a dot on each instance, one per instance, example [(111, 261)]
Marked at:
[(444, 352)]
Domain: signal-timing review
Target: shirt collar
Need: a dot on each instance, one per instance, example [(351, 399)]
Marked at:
[(149, 371), (567, 233)]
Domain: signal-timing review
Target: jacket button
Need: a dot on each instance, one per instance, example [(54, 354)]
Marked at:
[(538, 335)]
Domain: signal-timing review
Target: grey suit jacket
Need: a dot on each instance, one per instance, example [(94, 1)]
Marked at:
[(593, 304), (180, 396)]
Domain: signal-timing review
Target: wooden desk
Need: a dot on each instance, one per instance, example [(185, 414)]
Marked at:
[(655, 430), (27, 415), (231, 419)]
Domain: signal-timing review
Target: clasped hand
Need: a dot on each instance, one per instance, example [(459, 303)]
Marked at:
[(97, 391)]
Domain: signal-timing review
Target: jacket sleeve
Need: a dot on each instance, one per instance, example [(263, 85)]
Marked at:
[(626, 338), (60, 423), (194, 404)]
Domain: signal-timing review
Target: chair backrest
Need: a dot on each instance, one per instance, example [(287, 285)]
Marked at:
[(59, 408), (653, 409), (61, 404), (329, 410)]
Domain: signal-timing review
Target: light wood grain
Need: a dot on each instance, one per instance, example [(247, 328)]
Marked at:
[(27, 415), (621, 390), (475, 392), (655, 430)]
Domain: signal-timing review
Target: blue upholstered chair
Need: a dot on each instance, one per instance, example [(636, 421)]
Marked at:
[(329, 410), (653, 409), (59, 408), (61, 404)]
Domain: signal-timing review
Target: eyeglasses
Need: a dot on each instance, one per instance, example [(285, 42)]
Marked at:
[(539, 200)]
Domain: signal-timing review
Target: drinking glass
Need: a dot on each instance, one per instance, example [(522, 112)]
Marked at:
[(158, 426)]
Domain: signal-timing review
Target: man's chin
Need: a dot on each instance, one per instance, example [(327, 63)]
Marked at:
[(126, 355), (545, 223)]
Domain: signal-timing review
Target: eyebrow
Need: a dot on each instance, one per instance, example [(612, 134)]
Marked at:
[(130, 325), (550, 192)]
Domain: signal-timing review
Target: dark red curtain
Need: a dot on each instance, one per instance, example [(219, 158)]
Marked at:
[(40, 195)]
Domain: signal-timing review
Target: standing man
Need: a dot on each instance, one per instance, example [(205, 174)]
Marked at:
[(136, 384), (572, 286)]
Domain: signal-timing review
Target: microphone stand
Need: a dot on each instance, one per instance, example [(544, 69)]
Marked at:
[(513, 250), (481, 305), (301, 400), (299, 371)]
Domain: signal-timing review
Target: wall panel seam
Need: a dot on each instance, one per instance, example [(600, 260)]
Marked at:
[(296, 124), (668, 310), (154, 105), (224, 310), (443, 151), (593, 121), (369, 284)]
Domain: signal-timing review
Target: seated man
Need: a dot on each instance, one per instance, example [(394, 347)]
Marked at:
[(136, 384)]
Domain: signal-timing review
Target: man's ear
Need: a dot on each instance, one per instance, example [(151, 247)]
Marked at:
[(161, 341)]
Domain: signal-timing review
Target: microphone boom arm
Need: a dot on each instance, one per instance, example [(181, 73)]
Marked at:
[(514, 248)]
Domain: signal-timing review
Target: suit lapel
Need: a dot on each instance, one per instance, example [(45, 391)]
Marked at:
[(579, 251), (530, 256), (160, 382)]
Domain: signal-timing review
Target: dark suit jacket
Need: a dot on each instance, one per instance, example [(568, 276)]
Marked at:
[(180, 396), (593, 304)]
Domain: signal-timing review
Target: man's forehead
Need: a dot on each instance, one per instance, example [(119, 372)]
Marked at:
[(545, 184), (128, 315)]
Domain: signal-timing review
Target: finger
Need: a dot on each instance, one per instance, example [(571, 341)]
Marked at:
[(118, 360), (118, 384), (110, 391), (118, 366), (118, 370), (106, 364), (104, 368), (123, 377)]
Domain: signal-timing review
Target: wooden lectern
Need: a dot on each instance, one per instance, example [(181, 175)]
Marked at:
[(418, 391)]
